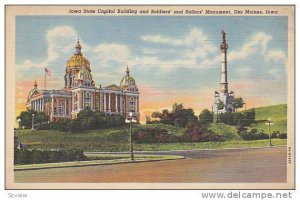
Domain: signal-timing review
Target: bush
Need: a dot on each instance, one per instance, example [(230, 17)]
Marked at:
[(86, 120), (206, 116), (152, 135), (253, 134), (283, 136), (26, 118), (35, 156), (119, 136), (244, 118), (200, 137)]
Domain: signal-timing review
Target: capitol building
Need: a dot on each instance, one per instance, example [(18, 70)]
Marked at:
[(80, 93)]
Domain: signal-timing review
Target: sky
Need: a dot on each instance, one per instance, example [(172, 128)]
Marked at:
[(173, 59)]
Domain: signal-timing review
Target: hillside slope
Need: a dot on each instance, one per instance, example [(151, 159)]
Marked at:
[(277, 113)]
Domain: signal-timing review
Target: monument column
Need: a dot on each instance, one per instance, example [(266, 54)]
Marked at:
[(223, 48)]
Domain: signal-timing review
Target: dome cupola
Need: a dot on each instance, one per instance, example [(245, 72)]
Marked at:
[(78, 48), (127, 79), (78, 60), (128, 82)]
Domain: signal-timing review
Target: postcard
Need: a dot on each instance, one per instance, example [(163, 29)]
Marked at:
[(150, 97)]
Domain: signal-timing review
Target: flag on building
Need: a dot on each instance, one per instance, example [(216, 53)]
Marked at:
[(47, 72)]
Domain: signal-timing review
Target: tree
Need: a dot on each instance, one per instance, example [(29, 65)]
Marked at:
[(220, 106), (156, 115), (182, 116), (179, 116), (26, 118), (249, 117), (237, 103), (166, 117), (177, 107), (206, 116)]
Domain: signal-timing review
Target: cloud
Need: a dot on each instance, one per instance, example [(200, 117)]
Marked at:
[(153, 51), (195, 50), (60, 41), (195, 38), (275, 56), (161, 40), (105, 53), (195, 44), (257, 44)]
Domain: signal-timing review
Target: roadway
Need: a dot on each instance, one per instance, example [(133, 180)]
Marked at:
[(259, 165)]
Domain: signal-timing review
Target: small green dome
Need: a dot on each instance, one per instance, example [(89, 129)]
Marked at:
[(127, 79)]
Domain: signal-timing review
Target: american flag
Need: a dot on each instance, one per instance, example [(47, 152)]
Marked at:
[(47, 71)]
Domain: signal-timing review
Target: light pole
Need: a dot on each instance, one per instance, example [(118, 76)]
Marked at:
[(19, 135), (270, 122), (129, 120), (32, 125)]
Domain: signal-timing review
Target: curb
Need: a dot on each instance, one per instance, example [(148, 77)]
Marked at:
[(96, 164), (166, 151)]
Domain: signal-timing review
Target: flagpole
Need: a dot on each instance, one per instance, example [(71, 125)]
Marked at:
[(45, 79)]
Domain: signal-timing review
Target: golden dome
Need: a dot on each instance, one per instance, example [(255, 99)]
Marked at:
[(78, 60), (127, 79), (84, 74)]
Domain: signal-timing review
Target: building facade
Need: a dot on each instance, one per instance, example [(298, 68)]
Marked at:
[(224, 97), (80, 92)]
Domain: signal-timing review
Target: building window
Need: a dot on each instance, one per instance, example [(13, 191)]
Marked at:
[(132, 104), (76, 102), (67, 107), (123, 105), (87, 97), (97, 101), (55, 110), (61, 110)]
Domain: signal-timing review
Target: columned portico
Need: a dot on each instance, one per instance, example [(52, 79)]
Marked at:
[(109, 103), (105, 103), (117, 103)]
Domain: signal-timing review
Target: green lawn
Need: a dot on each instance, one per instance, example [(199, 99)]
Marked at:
[(113, 139), (225, 130), (277, 113), (116, 156), (208, 145), (116, 139), (173, 130)]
